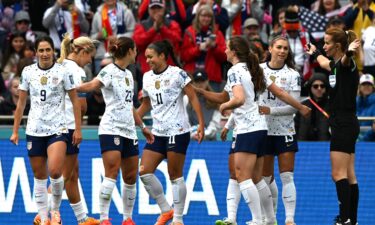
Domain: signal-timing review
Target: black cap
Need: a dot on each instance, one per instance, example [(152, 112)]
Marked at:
[(199, 76)]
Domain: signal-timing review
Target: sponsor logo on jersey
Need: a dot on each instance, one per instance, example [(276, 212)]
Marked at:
[(29, 145), (116, 140), (166, 83), (43, 80), (55, 80), (157, 84)]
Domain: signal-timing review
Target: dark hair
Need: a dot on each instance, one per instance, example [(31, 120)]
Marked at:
[(121, 47), (322, 10), (289, 61), (166, 48), (46, 39), (242, 50), (9, 50), (342, 37)]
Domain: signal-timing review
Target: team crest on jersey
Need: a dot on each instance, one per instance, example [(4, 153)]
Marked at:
[(43, 80), (166, 83), (127, 81), (55, 80), (29, 145), (116, 140), (273, 78), (157, 84), (103, 73)]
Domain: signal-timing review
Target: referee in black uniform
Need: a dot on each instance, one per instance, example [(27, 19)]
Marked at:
[(341, 46)]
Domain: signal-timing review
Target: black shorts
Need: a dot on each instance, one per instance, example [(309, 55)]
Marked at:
[(178, 143), (127, 147), (251, 142), (70, 148), (233, 144), (345, 131), (37, 146), (280, 144)]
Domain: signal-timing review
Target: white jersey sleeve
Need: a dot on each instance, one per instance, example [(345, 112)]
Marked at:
[(24, 81), (78, 76), (118, 91), (165, 91), (288, 80)]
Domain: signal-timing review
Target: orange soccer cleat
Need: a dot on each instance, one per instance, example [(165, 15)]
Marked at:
[(164, 217)]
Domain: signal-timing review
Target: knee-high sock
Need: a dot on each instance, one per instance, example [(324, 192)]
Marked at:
[(40, 193), (274, 191), (105, 197), (179, 197), (233, 199), (155, 190), (343, 195), (79, 212), (354, 198), (251, 196), (57, 187), (129, 193), (266, 201), (289, 195)]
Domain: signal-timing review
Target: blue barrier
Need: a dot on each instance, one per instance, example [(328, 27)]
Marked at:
[(206, 176)]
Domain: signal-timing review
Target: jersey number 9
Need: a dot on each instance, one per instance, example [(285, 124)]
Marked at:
[(43, 93)]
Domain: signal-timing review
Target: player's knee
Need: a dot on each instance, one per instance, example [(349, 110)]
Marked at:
[(287, 177)]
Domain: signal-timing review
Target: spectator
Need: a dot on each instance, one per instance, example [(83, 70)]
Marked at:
[(203, 47), (221, 14), (251, 33), (366, 104), (315, 127), (22, 20), (8, 106), (175, 10), (95, 107), (13, 53), (234, 15), (359, 16), (112, 19), (64, 17), (278, 23), (157, 27), (368, 38), (327, 6), (210, 110)]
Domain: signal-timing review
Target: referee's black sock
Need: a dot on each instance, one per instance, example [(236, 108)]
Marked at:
[(343, 194), (354, 197)]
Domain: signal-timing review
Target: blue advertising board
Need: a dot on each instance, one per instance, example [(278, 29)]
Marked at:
[(206, 176)]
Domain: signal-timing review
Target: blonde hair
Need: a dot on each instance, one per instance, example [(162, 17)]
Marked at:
[(201, 9), (69, 45)]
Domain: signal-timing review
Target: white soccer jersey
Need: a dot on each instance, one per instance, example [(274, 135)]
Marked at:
[(288, 80), (47, 88), (247, 117), (165, 91), (118, 91), (368, 38), (79, 77)]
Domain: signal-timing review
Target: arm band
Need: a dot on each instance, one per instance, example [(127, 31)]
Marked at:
[(349, 54), (316, 53)]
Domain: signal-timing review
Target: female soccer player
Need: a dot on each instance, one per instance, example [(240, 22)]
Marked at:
[(245, 82), (281, 139), (163, 90), (344, 79), (117, 133), (47, 82)]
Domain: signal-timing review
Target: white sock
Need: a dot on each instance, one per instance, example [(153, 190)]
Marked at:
[(266, 201), (233, 199), (251, 196), (274, 191), (179, 197), (49, 200), (155, 190), (129, 193), (79, 212), (57, 187), (105, 197), (40, 193), (289, 195)]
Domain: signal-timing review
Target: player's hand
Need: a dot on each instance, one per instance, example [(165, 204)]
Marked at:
[(77, 137), (305, 111), (223, 134), (200, 133), (310, 48), (14, 138), (148, 135), (264, 110)]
